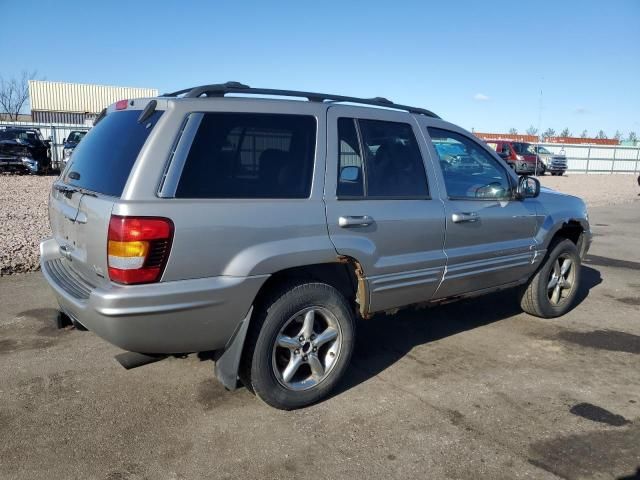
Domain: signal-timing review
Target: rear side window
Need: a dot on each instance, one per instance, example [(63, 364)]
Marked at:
[(103, 160), (250, 155)]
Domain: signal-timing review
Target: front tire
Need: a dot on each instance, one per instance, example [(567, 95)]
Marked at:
[(551, 292), (299, 345)]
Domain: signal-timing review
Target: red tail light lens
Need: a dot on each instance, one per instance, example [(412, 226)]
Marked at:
[(138, 248)]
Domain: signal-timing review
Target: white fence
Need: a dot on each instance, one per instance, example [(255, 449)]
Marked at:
[(56, 132), (598, 158), (580, 158)]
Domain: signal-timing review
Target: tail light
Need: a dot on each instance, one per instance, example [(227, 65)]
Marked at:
[(138, 248), (122, 104)]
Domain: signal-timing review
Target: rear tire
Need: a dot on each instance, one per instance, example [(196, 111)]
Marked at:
[(299, 345), (551, 292)]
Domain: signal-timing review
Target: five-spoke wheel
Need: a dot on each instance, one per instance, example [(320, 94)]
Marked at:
[(552, 290), (306, 348), (298, 345), (561, 279)]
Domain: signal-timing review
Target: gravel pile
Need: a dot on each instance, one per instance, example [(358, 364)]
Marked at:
[(23, 221)]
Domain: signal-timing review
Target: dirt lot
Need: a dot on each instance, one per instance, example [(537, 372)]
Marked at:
[(471, 390), (597, 190), (23, 210)]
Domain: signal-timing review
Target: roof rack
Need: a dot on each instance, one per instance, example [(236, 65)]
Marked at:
[(221, 89)]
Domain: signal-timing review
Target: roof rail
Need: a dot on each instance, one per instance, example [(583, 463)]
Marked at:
[(221, 89)]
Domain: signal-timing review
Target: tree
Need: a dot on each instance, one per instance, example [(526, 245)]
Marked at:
[(513, 131), (618, 135), (14, 94), (532, 130), (633, 138), (584, 134), (549, 132), (565, 133), (601, 135)]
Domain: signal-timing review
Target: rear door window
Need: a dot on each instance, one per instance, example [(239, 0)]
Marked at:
[(393, 166), (103, 160), (250, 155)]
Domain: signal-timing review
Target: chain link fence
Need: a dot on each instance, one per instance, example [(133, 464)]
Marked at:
[(56, 133)]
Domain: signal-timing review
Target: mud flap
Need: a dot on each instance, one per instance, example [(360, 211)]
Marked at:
[(228, 362)]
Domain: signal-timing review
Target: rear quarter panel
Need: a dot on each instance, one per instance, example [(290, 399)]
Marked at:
[(235, 237)]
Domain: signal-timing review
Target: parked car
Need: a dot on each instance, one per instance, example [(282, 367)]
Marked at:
[(261, 229), (519, 156), (554, 163), (23, 150), (70, 143)]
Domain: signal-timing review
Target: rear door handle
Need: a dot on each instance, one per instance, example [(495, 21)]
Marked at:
[(461, 217), (355, 221)]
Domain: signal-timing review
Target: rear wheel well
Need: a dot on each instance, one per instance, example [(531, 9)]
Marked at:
[(340, 275)]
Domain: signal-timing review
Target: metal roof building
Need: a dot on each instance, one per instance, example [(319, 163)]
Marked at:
[(60, 102)]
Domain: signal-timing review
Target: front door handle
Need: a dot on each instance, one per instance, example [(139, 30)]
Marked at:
[(355, 221), (461, 217)]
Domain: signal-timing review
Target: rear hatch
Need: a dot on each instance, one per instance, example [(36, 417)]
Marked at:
[(82, 199)]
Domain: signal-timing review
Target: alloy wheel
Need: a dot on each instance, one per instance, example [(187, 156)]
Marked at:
[(306, 348)]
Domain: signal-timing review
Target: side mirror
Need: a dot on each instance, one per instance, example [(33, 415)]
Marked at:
[(64, 140), (528, 187), (349, 174)]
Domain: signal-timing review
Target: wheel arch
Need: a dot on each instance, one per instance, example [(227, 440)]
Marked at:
[(344, 274)]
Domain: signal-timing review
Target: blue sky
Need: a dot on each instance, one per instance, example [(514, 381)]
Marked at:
[(480, 64)]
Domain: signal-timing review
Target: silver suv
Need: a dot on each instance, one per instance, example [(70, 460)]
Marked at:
[(260, 229)]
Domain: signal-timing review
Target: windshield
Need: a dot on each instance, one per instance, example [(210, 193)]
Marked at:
[(544, 151), (75, 137), (523, 148), (103, 160), (30, 136)]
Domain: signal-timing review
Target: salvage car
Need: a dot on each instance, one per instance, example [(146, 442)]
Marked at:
[(264, 229), (70, 143), (554, 163), (23, 150)]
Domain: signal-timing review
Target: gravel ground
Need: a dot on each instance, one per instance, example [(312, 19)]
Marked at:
[(597, 190), (23, 216), (23, 210)]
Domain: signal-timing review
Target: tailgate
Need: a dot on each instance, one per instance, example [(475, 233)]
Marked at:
[(83, 198), (80, 223)]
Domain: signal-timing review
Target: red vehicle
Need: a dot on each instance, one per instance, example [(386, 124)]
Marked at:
[(520, 156)]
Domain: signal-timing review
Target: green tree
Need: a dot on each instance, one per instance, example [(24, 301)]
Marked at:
[(633, 138), (532, 130), (584, 134), (565, 133), (601, 135), (513, 131), (618, 135)]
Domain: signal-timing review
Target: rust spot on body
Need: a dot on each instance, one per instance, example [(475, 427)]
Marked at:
[(361, 292)]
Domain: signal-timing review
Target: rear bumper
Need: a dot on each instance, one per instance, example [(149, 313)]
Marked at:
[(167, 317)]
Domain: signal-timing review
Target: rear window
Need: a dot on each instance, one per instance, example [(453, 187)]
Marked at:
[(250, 155), (103, 160)]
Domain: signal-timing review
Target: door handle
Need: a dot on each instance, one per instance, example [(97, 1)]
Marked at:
[(355, 221), (461, 217)]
